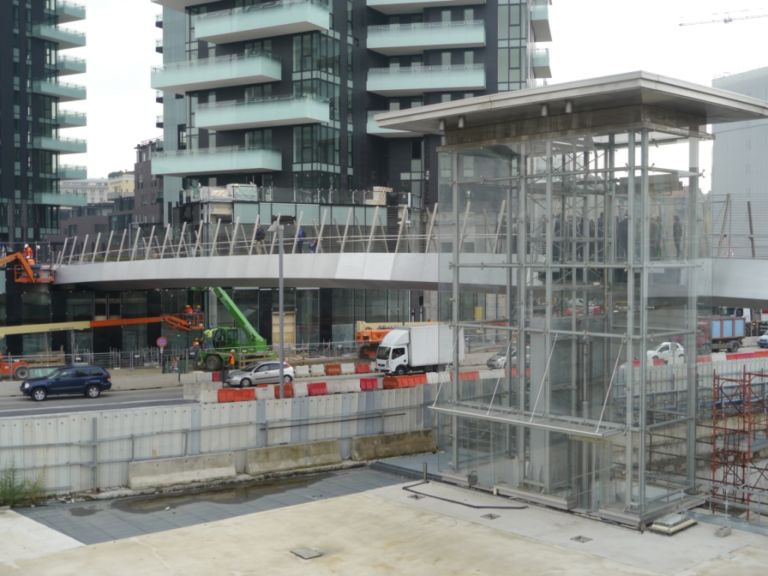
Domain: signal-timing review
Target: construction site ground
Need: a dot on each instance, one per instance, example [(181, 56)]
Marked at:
[(360, 522)]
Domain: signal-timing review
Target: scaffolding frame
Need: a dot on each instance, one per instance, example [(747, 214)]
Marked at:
[(739, 432)]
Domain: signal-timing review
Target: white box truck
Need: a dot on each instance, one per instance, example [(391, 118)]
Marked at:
[(417, 349)]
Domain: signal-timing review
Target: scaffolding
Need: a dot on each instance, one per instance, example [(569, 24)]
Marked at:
[(739, 433)]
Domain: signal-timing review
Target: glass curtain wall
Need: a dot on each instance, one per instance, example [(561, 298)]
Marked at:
[(576, 290)]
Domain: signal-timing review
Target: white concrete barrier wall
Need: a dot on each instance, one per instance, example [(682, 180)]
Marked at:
[(89, 450)]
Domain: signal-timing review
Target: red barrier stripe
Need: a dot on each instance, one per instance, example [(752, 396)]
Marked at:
[(317, 389)]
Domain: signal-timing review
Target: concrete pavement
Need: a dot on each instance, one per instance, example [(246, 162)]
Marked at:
[(432, 529)]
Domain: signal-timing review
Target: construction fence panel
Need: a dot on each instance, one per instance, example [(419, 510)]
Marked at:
[(92, 450)]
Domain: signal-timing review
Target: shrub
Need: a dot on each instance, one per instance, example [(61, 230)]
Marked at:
[(18, 491)]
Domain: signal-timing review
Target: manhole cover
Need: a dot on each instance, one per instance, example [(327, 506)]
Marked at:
[(490, 516), (581, 539), (306, 553)]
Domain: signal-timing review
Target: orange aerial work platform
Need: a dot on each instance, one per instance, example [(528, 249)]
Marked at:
[(27, 271)]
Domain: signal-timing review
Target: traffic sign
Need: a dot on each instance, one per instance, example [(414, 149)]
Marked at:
[(161, 342)]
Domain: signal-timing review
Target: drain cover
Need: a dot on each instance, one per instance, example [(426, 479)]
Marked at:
[(581, 539), (306, 553), (490, 516)]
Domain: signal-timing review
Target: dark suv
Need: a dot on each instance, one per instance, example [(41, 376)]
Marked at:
[(86, 380)]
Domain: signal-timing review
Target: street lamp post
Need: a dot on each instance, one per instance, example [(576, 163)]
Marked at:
[(277, 227)]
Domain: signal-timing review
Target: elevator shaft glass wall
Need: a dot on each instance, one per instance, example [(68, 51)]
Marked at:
[(582, 262)]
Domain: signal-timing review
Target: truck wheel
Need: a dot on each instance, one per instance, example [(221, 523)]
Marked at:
[(213, 363), (733, 346), (21, 373), (400, 370)]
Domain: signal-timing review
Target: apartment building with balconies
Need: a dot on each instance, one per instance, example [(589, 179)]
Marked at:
[(32, 142), (283, 94)]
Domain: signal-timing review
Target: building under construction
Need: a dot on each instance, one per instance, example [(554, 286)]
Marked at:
[(587, 196)]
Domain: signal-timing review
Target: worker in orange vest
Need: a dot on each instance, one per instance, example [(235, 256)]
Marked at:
[(29, 255), (231, 360)]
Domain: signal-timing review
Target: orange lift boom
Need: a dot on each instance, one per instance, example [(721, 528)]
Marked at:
[(24, 273)]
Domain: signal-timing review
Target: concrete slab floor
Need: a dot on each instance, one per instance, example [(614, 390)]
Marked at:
[(387, 531)]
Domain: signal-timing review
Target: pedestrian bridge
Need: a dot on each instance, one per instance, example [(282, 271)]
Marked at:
[(232, 256)]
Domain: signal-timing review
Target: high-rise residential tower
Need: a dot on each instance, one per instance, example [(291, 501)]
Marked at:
[(33, 36), (282, 94)]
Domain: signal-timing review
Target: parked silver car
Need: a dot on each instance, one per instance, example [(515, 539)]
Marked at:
[(261, 373)]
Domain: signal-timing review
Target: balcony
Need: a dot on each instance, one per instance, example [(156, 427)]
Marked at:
[(159, 96), (61, 199), (373, 129), (540, 21), (395, 39), (181, 77), (71, 119), (64, 91), (263, 21), (217, 161), (414, 6), (159, 46), (540, 64), (159, 20), (73, 172), (415, 80), (67, 65), (289, 111), (159, 121), (180, 5), (61, 145), (64, 37), (69, 12)]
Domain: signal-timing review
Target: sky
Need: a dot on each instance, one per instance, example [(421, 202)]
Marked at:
[(590, 38)]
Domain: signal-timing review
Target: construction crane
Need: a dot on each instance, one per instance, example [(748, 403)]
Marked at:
[(725, 18)]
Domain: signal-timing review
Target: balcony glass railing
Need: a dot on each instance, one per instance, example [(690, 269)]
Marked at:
[(69, 11), (278, 111), (62, 90), (220, 160), (395, 81), (70, 65), (70, 118), (263, 21), (419, 36), (540, 21), (221, 71), (64, 37), (60, 144)]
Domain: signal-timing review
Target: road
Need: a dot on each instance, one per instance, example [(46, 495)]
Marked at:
[(16, 406)]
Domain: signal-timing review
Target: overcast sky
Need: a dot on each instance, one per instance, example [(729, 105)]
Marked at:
[(590, 38)]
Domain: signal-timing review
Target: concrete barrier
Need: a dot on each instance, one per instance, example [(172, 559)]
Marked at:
[(290, 457), (347, 368), (301, 371), (170, 471), (317, 370), (203, 392), (388, 445)]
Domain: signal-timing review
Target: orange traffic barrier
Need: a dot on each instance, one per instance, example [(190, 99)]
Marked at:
[(333, 369), (362, 368), (317, 389), (288, 390), (391, 382), (236, 395), (367, 384)]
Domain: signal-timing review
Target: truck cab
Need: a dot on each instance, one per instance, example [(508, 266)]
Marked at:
[(392, 356)]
